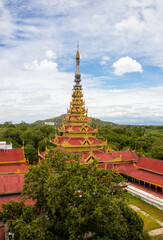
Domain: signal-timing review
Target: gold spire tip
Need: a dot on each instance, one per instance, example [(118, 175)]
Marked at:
[(77, 53)]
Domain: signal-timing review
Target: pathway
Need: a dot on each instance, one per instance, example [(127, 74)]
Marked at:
[(155, 232)]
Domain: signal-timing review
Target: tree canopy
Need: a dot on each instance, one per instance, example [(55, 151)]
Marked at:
[(70, 200)]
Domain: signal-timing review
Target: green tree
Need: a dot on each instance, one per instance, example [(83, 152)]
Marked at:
[(71, 200), (31, 154), (13, 133), (157, 152)]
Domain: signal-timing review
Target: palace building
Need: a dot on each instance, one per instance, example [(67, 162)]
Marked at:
[(13, 167), (77, 136)]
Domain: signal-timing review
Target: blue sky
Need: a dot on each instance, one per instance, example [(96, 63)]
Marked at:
[(121, 47)]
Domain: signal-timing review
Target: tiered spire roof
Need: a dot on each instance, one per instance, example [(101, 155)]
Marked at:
[(77, 135)]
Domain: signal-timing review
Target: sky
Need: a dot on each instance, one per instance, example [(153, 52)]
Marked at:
[(121, 49)]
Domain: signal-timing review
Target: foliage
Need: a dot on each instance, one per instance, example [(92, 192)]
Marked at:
[(146, 139), (33, 137), (70, 200)]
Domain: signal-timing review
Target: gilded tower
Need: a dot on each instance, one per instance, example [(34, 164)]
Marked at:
[(77, 135)]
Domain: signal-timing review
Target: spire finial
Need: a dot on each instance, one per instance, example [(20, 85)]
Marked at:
[(77, 72), (77, 53)]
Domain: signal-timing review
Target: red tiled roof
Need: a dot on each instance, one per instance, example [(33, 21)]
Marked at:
[(11, 183), (77, 141), (146, 176), (11, 155), (12, 168), (103, 156), (100, 155), (95, 140), (77, 128), (151, 164), (125, 155), (15, 198), (135, 155), (124, 167), (44, 153)]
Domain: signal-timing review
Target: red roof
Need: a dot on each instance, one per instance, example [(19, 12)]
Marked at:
[(11, 183), (146, 176), (100, 155), (124, 167), (77, 128), (151, 164), (125, 155), (13, 168), (44, 153), (103, 156), (11, 155), (77, 141), (135, 155)]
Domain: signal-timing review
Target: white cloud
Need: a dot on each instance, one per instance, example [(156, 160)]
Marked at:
[(131, 103), (51, 54), (131, 24), (44, 65), (125, 65), (161, 66), (105, 60), (43, 30)]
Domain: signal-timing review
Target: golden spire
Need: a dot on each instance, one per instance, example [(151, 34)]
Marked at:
[(77, 53), (77, 72)]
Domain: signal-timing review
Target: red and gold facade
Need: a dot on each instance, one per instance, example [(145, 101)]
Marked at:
[(76, 135)]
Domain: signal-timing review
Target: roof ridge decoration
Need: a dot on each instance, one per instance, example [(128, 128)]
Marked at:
[(91, 157), (86, 141)]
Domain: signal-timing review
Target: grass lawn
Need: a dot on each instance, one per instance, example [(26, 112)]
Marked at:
[(149, 224), (157, 237), (151, 210)]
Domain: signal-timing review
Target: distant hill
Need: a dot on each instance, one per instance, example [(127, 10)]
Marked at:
[(58, 121)]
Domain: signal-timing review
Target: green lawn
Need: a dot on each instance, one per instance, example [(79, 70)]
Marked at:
[(151, 210), (157, 237), (149, 224)]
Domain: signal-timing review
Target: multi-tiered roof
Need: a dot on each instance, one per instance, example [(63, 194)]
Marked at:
[(77, 135)]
